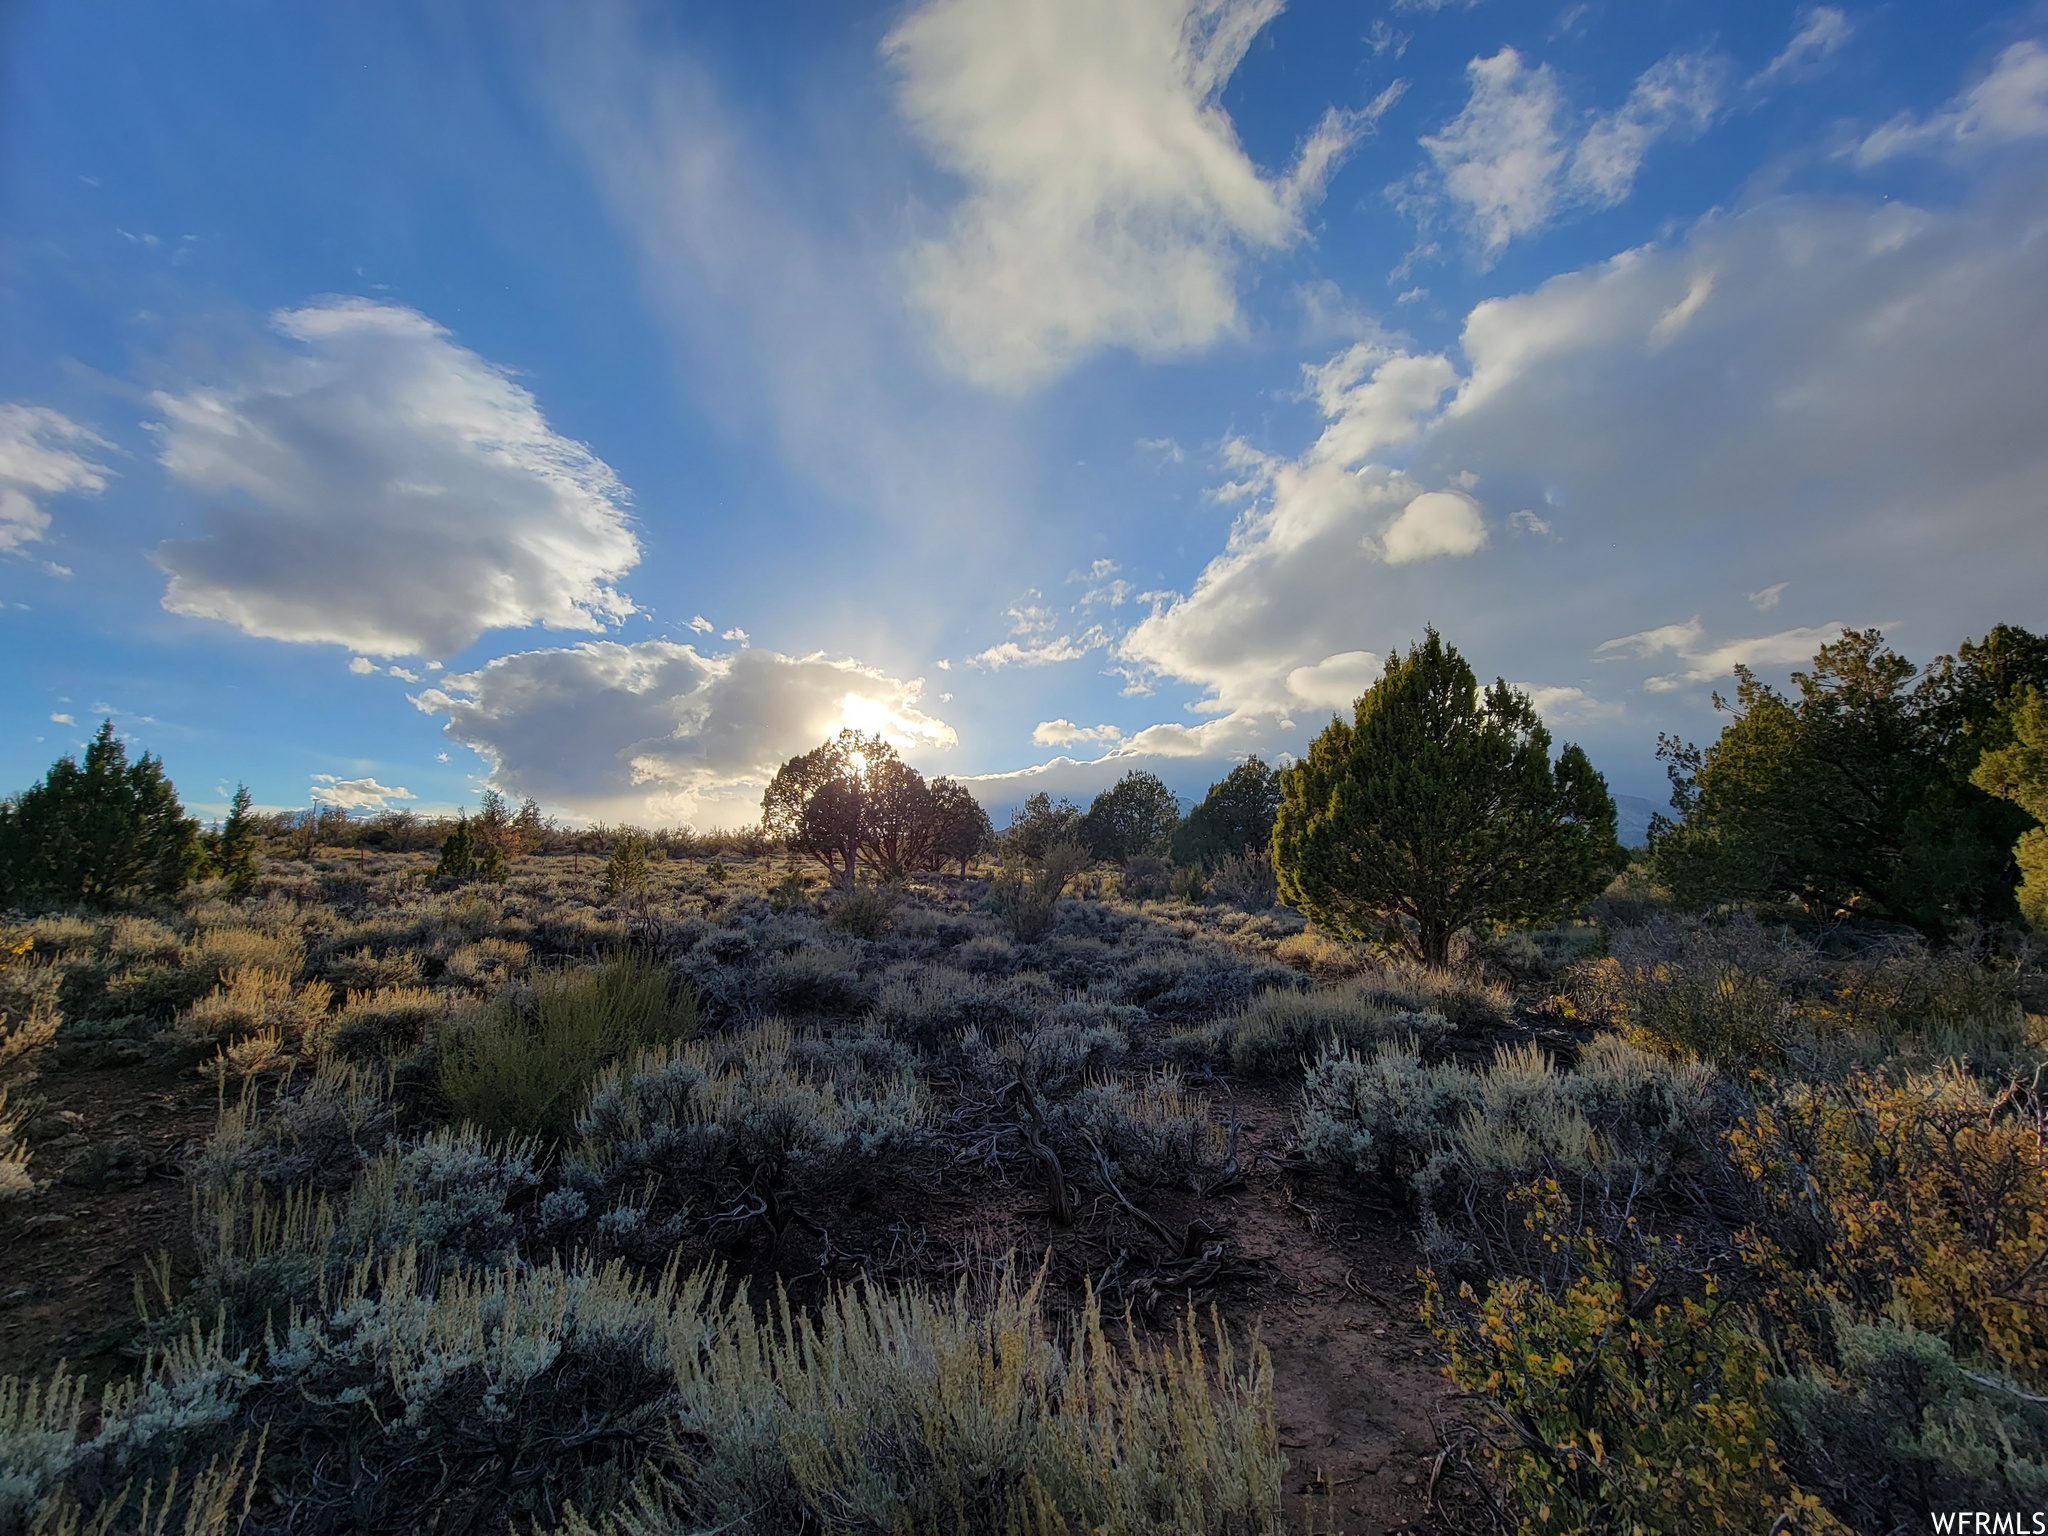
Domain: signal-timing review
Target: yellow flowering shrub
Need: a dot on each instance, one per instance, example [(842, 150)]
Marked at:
[(1627, 1409), (1932, 1192)]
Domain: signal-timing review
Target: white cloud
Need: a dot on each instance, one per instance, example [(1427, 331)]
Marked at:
[(2008, 104), (1568, 706), (1336, 681), (1703, 663), (1041, 653), (383, 488), (1822, 30), (1434, 523), (62, 720), (655, 732), (702, 625), (1767, 599), (355, 794), (1515, 157), (1851, 389), (402, 674), (1526, 521), (362, 666), (40, 457), (1261, 624), (1108, 200), (1064, 733), (736, 634)]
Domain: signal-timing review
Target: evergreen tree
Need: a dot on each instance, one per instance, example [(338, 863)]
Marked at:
[(1855, 795), (2018, 772), (1235, 816), (1135, 815), (960, 827), (98, 832), (625, 872), (458, 852), (1436, 808), (1040, 824), (235, 845)]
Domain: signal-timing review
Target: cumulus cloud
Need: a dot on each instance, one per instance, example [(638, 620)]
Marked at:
[(381, 487), (2009, 104), (43, 453), (1272, 625), (1849, 386), (1434, 523), (656, 732), (1064, 733), (1108, 201), (1515, 157), (356, 794)]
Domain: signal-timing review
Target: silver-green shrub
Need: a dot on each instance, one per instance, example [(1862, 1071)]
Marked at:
[(1281, 1029), (1457, 1141), (731, 1121)]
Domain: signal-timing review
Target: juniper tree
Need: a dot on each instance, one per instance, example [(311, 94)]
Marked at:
[(1135, 815), (960, 827), (1854, 793), (458, 852), (1437, 807), (235, 844), (1235, 816), (1039, 824), (2019, 773), (97, 832)]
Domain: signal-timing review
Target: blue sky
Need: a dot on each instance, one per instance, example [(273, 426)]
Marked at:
[(609, 401)]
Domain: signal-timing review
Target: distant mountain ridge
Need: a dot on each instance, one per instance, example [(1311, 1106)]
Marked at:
[(1632, 815)]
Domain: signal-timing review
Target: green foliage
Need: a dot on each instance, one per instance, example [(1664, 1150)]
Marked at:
[(625, 871), (1236, 815), (960, 827), (490, 863), (519, 1064), (97, 833), (1437, 808), (234, 847), (851, 798), (1855, 797), (1038, 824), (863, 911), (1135, 815), (2019, 772), (458, 853), (1629, 1407), (1028, 897)]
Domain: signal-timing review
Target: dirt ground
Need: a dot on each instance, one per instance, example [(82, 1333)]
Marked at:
[(1328, 1283)]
